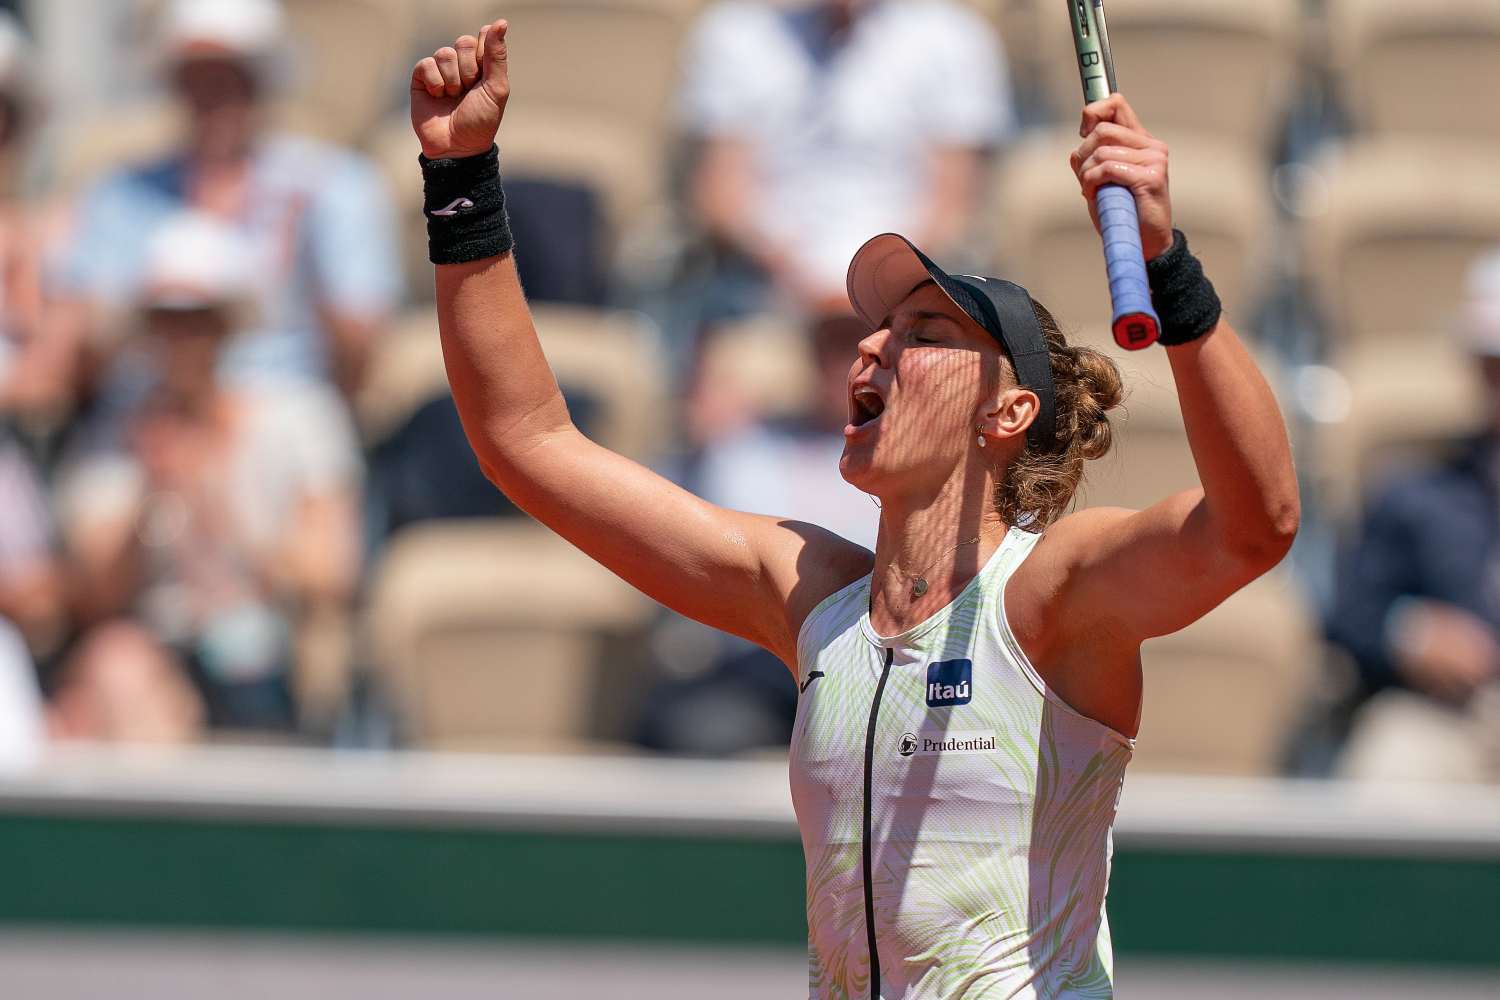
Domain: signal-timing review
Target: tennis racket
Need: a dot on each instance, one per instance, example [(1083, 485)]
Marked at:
[(1135, 324)]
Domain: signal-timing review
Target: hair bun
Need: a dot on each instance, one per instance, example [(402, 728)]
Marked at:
[(1039, 486)]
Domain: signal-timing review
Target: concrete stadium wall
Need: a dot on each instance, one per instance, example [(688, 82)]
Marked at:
[(646, 850)]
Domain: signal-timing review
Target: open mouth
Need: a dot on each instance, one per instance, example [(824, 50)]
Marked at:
[(867, 405)]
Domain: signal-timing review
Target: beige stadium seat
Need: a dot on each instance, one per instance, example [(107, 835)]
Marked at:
[(349, 65), (1426, 67), (394, 148), (615, 60), (1150, 459), (1391, 231), (1018, 23), (497, 634), (1397, 407), (624, 166), (1214, 67), (612, 356), (617, 358), (1220, 198), (97, 143), (765, 361), (1222, 695), (405, 372)]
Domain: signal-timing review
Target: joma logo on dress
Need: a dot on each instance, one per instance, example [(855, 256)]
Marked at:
[(950, 683)]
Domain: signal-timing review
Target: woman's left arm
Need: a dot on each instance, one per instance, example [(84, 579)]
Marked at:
[(1155, 571)]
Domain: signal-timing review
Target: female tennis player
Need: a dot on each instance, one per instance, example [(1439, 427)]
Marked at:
[(970, 691)]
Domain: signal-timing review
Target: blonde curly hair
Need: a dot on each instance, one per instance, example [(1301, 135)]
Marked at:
[(1038, 486)]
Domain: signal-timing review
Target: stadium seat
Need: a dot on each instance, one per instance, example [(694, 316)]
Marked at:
[(1243, 55), (493, 635), (764, 361), (616, 358), (1150, 459), (394, 148), (349, 65), (97, 143), (624, 166), (1390, 234), (1424, 68), (1042, 228), (610, 60), (1401, 407), (1222, 695), (405, 371), (612, 357)]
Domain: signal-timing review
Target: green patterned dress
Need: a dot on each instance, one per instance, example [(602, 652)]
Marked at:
[(956, 815)]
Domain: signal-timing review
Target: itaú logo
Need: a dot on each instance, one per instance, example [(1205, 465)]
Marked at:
[(950, 683)]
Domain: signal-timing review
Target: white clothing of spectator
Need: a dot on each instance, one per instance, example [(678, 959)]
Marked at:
[(316, 218), (221, 509), (832, 121), (22, 730)]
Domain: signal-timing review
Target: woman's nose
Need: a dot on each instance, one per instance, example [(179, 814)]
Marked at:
[(875, 347)]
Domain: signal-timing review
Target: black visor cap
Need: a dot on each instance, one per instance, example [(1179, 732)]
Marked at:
[(889, 268)]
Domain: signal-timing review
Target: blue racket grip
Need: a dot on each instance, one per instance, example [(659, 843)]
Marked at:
[(1135, 325)]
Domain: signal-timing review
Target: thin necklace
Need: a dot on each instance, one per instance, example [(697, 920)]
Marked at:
[(919, 581)]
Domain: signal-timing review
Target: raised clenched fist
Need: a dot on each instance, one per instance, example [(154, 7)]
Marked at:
[(458, 94)]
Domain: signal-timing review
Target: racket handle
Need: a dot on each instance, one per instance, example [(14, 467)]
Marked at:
[(1136, 325)]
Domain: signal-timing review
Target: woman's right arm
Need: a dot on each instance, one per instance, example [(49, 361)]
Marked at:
[(756, 577)]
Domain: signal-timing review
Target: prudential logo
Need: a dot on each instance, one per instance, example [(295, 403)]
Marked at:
[(908, 744)]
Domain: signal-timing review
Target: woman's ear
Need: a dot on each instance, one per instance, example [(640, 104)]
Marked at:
[(1009, 415)]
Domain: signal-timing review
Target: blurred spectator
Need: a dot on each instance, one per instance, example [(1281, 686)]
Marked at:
[(789, 468), (317, 219), (826, 122), (221, 511), (21, 729), (30, 582), (120, 686), (1418, 603), (33, 373)]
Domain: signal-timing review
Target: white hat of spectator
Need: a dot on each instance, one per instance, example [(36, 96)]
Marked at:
[(194, 261), (1480, 319), (247, 29)]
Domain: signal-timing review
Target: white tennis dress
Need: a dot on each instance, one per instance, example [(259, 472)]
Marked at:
[(956, 815)]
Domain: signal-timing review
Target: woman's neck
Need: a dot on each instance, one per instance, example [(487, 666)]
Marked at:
[(943, 540)]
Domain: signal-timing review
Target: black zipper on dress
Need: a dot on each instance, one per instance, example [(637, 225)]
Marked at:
[(885, 674)]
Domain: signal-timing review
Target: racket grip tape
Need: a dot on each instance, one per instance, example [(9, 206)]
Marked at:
[(1135, 325)]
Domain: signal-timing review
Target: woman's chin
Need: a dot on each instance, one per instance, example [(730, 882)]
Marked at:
[(857, 466)]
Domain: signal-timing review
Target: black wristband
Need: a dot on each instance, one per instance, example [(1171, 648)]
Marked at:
[(465, 209), (1184, 298)]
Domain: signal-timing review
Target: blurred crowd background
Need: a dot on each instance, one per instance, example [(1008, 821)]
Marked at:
[(236, 504)]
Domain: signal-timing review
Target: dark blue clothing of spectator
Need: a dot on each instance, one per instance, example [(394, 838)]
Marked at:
[(1433, 535)]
